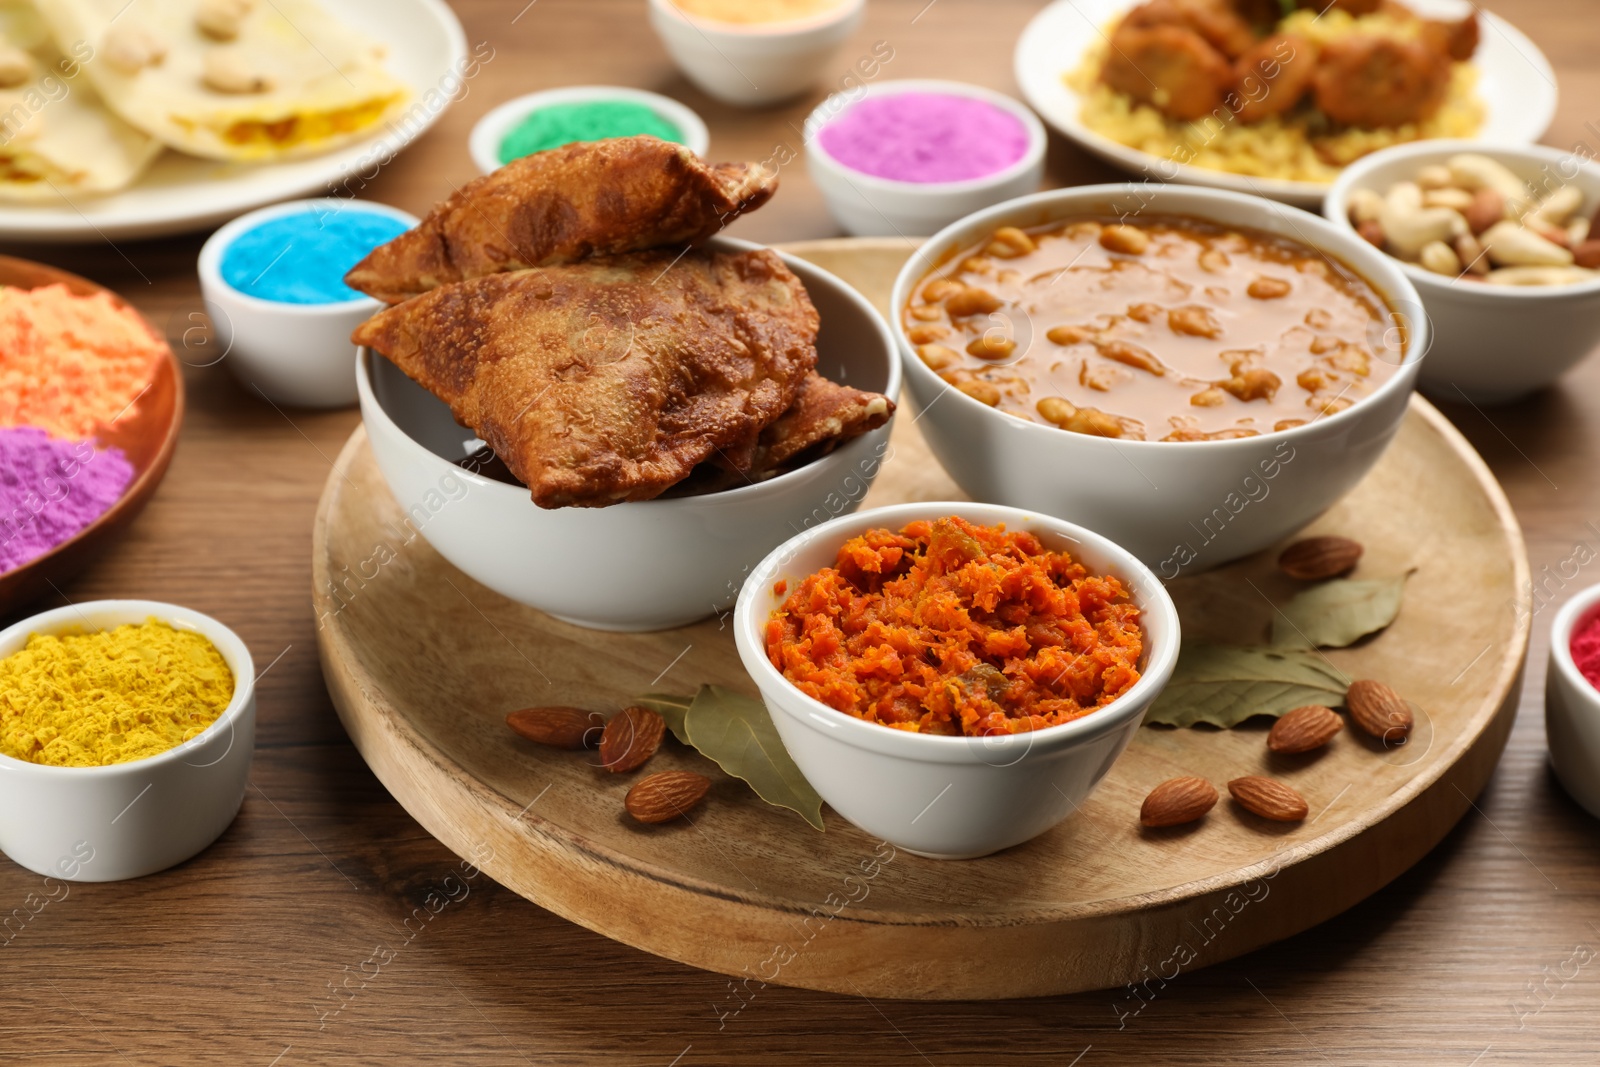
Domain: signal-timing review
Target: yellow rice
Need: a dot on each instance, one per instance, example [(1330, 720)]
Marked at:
[(1293, 147)]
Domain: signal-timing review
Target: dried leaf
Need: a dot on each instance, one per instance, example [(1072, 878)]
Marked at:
[(736, 732), (1225, 685), (1337, 613), (672, 708)]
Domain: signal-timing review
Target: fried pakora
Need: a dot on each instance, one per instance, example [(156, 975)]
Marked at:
[(1169, 66), (590, 198)]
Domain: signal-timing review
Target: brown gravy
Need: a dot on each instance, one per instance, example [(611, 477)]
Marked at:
[(1160, 328)]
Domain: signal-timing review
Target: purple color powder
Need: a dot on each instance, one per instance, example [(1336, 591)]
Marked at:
[(50, 490), (926, 137)]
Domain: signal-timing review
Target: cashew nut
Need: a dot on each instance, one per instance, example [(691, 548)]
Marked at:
[(1557, 208), (1578, 231), (1440, 258), (16, 133), (1470, 251), (221, 19), (1407, 225), (1433, 176), (1472, 172), (1526, 275), (129, 48), (16, 66), (227, 70), (1452, 198), (1511, 245), (1364, 205)]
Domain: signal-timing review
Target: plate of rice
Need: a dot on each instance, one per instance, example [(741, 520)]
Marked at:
[(1506, 93)]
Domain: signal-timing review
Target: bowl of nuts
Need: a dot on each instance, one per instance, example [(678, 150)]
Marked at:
[(1496, 239)]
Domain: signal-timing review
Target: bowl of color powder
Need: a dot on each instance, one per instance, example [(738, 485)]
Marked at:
[(1572, 698), (273, 283), (91, 403), (907, 158), (540, 121), (751, 53), (126, 730)]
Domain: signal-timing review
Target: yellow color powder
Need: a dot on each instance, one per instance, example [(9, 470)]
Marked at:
[(88, 700), (756, 11)]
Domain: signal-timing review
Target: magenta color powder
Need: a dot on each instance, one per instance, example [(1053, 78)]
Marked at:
[(926, 137), (1586, 649), (50, 490)]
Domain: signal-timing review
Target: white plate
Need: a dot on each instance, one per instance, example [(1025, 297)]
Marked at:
[(1515, 81), (427, 51)]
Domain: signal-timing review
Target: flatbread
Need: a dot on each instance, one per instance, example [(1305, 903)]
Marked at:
[(327, 84), (57, 139), (610, 379)]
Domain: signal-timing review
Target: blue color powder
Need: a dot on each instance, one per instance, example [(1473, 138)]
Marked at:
[(302, 258)]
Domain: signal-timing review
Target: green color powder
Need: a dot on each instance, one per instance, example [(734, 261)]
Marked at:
[(559, 124)]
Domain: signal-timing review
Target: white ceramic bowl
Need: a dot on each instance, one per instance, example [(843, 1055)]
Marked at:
[(866, 205), (484, 144), (1491, 343), (648, 565), (1178, 506), (297, 355), (752, 65), (952, 797), (1572, 706), (103, 824)]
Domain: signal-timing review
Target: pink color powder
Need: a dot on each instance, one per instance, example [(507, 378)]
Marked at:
[(51, 489), (1586, 649), (926, 137)]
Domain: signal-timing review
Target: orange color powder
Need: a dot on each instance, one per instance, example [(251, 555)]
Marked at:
[(70, 364), (952, 628)]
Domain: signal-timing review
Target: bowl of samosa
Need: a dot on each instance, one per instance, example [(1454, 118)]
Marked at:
[(590, 403)]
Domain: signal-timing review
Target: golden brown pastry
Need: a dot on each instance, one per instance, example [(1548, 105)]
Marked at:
[(609, 380), (823, 416), (563, 205)]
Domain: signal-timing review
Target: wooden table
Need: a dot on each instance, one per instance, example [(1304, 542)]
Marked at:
[(313, 931)]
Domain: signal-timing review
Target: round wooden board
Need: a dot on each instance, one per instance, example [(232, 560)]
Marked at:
[(423, 663)]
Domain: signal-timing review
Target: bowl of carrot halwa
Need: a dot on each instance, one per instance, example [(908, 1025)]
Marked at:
[(955, 678)]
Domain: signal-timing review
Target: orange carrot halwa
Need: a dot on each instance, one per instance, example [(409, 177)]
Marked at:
[(951, 628)]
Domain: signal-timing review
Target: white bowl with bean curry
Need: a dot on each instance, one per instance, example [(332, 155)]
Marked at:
[(1193, 373)]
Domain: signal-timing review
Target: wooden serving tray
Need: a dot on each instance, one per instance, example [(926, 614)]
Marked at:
[(423, 664)]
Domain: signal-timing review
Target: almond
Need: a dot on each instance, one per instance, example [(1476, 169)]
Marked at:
[(630, 738), (1378, 710), (665, 795), (558, 727), (1268, 798), (1304, 729), (1177, 801), (1488, 207), (1316, 558)]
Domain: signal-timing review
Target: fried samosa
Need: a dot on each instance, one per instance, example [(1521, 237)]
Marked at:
[(590, 198), (823, 416), (609, 380)]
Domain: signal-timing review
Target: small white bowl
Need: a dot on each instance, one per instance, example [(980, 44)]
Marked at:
[(646, 565), (755, 64), (297, 355), (952, 797), (484, 144), (1178, 506), (867, 206), (104, 824), (1492, 343), (1572, 706)]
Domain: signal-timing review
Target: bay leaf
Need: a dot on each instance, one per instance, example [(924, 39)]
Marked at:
[(1337, 613), (672, 708), (736, 732), (1224, 685)]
